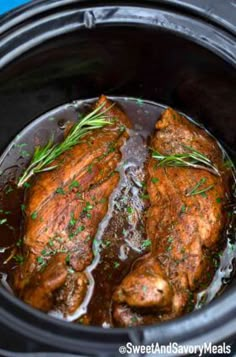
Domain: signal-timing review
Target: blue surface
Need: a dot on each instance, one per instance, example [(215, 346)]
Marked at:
[(7, 5)]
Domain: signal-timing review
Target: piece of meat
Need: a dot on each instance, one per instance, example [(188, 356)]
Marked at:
[(184, 228), (146, 287), (63, 210)]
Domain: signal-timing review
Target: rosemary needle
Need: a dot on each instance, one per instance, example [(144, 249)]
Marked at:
[(203, 180), (44, 156), (193, 158), (197, 190), (201, 191)]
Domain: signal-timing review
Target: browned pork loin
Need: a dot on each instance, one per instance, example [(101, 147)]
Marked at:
[(183, 224), (63, 210)]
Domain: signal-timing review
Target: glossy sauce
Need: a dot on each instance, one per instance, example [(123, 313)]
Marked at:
[(121, 236)]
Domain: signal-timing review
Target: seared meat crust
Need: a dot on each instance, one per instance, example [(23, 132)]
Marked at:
[(63, 210), (184, 228)]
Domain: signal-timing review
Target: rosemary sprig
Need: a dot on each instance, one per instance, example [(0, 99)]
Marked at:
[(195, 190), (193, 158), (44, 156)]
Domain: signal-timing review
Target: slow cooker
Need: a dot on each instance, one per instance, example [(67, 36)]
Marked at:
[(179, 53)]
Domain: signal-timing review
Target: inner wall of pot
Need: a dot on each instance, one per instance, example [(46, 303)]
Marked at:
[(139, 62)]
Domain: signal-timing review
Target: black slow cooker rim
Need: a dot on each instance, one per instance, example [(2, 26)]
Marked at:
[(196, 29), (212, 323), (217, 15), (192, 328)]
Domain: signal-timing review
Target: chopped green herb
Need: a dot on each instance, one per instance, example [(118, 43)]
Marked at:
[(21, 145), (8, 190), (124, 231), (228, 164), (146, 243), (19, 259), (60, 191), (103, 200), (23, 207), (144, 196), (74, 184), (130, 210), (24, 153), (5, 212), (80, 229), (134, 319), (68, 259), (218, 200), (2, 221), (208, 275), (88, 207), (90, 168), (40, 260), (19, 242), (34, 215), (215, 262), (116, 264), (114, 120), (71, 235), (72, 221), (140, 101), (107, 243), (96, 246), (111, 148), (183, 208), (51, 243), (154, 179), (44, 252), (26, 185), (144, 184), (232, 247), (88, 238)]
